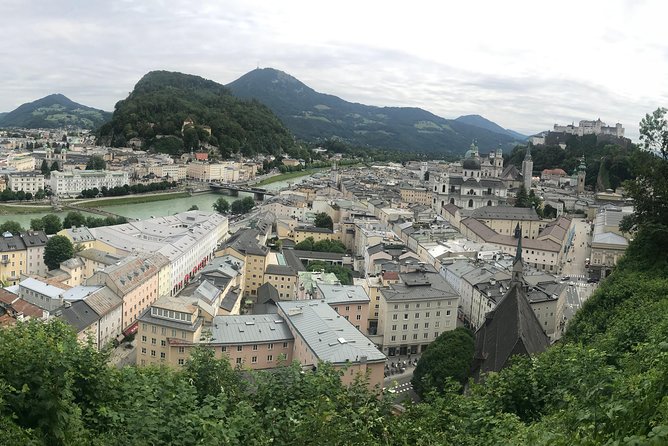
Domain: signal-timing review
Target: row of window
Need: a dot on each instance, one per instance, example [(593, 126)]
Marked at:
[(417, 315), (254, 347), (393, 338), (437, 324), (417, 305)]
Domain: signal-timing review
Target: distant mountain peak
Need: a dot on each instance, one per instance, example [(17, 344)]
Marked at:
[(53, 111), (482, 122)]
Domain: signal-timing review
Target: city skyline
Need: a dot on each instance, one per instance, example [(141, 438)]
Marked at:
[(536, 68)]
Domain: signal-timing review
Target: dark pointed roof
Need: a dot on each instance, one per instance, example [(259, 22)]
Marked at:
[(512, 328)]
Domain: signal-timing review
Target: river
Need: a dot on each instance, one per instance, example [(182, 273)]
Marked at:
[(156, 208)]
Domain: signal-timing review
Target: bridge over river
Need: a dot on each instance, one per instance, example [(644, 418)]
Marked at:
[(234, 189)]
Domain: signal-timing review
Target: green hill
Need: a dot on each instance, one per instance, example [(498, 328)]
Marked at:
[(162, 101), (311, 115), (54, 111)]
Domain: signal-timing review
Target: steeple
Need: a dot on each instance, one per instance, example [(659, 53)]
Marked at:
[(527, 156)]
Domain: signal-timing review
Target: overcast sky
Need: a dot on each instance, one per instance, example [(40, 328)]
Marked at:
[(523, 64)]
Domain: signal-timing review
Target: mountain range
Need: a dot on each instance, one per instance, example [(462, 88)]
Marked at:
[(311, 115), (161, 101), (54, 111)]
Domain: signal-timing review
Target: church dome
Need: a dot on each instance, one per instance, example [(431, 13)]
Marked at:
[(471, 164)]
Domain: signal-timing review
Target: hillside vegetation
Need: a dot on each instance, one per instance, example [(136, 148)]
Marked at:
[(162, 101), (314, 116), (54, 111)]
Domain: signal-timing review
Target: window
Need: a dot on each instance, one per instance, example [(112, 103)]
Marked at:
[(426, 325), (437, 324), (394, 338), (358, 317), (182, 361), (426, 314), (152, 352), (182, 349), (163, 343), (240, 348), (403, 337), (285, 345), (394, 328), (254, 360), (143, 350), (426, 335), (173, 332), (416, 326), (270, 346), (254, 346), (162, 355), (405, 316), (396, 307), (238, 360), (359, 307), (406, 306), (415, 336), (435, 334), (417, 315), (438, 314), (153, 328), (153, 341), (223, 349), (143, 338), (347, 307), (405, 327), (163, 331), (270, 358), (394, 317), (447, 313)]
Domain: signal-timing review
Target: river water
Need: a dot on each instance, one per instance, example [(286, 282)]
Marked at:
[(156, 208)]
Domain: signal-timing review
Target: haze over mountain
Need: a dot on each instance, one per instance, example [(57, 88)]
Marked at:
[(54, 111), (485, 123), (311, 115)]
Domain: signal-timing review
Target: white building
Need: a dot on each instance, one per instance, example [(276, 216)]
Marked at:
[(597, 127), (25, 181), (175, 172), (71, 183)]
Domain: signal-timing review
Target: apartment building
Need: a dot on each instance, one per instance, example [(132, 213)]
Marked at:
[(301, 233), (13, 258), (284, 279), (72, 182), (244, 246), (350, 301), (25, 181), (411, 194), (35, 242), (415, 311), (170, 172)]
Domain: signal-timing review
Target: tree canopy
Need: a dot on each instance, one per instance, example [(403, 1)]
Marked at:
[(322, 220), (58, 249), (96, 162), (11, 226), (243, 206), (222, 206), (321, 246)]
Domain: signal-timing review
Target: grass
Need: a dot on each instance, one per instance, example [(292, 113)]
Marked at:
[(25, 209), (288, 176)]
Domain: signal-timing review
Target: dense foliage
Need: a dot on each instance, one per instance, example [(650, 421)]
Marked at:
[(242, 206), (322, 220), (119, 191), (10, 195), (449, 356), (96, 162), (162, 101), (58, 249), (11, 226), (77, 219), (50, 224), (222, 206), (608, 165), (321, 246), (345, 275)]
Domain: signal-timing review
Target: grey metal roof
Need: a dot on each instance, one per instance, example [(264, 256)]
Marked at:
[(505, 213), (103, 301), (230, 299), (34, 238), (318, 255), (249, 329), (10, 242), (245, 242), (331, 337), (337, 294), (41, 287), (79, 315), (79, 292), (192, 327), (419, 286), (281, 270), (99, 256)]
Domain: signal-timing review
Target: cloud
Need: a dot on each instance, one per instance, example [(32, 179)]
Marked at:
[(523, 64)]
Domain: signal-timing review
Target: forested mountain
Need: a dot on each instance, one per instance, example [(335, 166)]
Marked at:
[(163, 101), (311, 115), (54, 111), (485, 123)]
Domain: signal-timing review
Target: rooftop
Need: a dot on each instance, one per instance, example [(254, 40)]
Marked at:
[(249, 329)]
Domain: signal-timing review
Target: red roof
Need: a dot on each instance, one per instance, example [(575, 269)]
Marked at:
[(559, 172), (390, 275), (199, 156)]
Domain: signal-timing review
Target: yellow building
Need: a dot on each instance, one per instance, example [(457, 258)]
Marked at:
[(244, 245), (419, 195), (504, 220), (284, 279), (13, 259), (301, 233)]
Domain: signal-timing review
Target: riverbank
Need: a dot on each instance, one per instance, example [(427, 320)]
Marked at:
[(289, 176), (130, 199), (15, 209)]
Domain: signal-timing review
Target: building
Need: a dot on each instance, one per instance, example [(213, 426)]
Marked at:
[(25, 181), (170, 172), (504, 220), (510, 329), (13, 258), (597, 127), (350, 301), (244, 246), (301, 233), (322, 335), (35, 241), (527, 169), (72, 182), (284, 279), (410, 194), (414, 311)]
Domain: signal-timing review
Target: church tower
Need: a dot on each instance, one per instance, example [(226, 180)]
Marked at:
[(582, 173), (527, 169)]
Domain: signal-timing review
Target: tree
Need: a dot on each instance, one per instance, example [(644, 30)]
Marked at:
[(344, 275), (96, 162), (45, 169), (449, 356), (37, 224), (58, 249), (322, 220), (54, 166), (73, 219), (52, 224), (11, 226), (222, 206), (522, 197), (242, 206), (654, 132), (40, 194)]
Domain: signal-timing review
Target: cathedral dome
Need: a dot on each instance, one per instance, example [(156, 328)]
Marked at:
[(471, 164)]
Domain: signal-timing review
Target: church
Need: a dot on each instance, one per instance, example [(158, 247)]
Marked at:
[(479, 181)]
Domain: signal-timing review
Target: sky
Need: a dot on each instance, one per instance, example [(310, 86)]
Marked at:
[(525, 65)]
